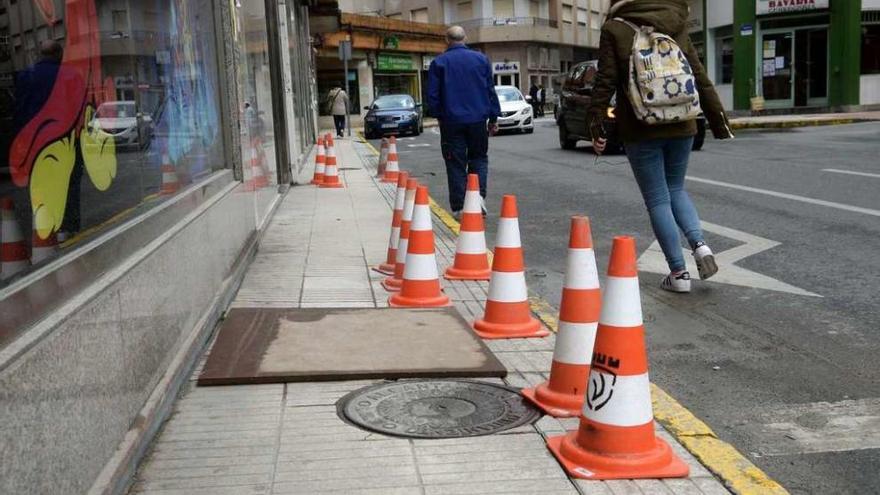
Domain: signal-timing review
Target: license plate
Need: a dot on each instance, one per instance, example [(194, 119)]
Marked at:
[(389, 126)]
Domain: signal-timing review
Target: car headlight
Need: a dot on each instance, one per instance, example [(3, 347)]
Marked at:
[(526, 110), (370, 118), (610, 112)]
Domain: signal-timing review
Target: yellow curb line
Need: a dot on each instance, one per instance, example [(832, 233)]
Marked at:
[(737, 472)]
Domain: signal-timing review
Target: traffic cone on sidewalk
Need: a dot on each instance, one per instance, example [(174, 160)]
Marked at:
[(471, 260), (387, 268), (13, 248), (616, 438), (170, 182), (318, 177), (507, 307), (383, 158), (43, 248), (331, 172), (563, 395), (421, 280), (395, 281), (391, 168), (258, 172)]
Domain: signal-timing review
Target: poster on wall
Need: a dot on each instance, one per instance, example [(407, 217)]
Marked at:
[(781, 6), (769, 48), (769, 68)]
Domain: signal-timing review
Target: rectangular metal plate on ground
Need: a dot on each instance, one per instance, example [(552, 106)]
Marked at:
[(266, 345)]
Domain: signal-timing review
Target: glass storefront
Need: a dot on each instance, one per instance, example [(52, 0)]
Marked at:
[(108, 108)]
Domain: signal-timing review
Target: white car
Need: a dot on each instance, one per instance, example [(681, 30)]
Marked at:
[(122, 120), (516, 113)]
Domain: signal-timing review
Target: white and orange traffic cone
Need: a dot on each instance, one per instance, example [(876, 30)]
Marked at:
[(42, 249), (471, 258), (170, 181), (318, 176), (507, 312), (421, 279), (616, 438), (387, 268), (395, 282), (383, 158), (391, 168), (258, 175), (563, 394), (13, 246), (331, 171)]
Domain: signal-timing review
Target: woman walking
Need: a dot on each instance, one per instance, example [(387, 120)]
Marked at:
[(658, 146), (337, 102)]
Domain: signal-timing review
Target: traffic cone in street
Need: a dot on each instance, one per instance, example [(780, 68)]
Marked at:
[(43, 248), (13, 247), (331, 172), (507, 312), (615, 439), (318, 177), (383, 158), (387, 268), (421, 280), (170, 182), (471, 260), (395, 281), (391, 168), (563, 395)]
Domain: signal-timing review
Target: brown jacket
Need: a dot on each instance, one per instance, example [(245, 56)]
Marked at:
[(615, 47)]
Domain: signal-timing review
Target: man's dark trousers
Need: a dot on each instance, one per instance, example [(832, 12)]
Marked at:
[(465, 149)]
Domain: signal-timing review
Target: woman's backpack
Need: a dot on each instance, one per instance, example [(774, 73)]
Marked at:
[(661, 84)]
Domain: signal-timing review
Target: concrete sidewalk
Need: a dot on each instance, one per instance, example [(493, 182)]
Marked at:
[(287, 438)]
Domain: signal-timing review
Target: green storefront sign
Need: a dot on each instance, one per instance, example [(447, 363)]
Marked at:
[(388, 61)]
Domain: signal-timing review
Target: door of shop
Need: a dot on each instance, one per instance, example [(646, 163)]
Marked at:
[(794, 67)]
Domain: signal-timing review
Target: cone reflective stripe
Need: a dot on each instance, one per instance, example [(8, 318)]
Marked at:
[(13, 247), (170, 183), (394, 239), (563, 394), (43, 248), (616, 438), (331, 172), (471, 259), (421, 279), (507, 312), (318, 177), (391, 167), (383, 158), (395, 281)]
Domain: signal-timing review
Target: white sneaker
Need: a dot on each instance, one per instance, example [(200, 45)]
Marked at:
[(705, 260), (677, 282)]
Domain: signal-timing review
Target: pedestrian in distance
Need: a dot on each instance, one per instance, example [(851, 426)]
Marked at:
[(542, 100), (657, 139), (337, 103), (461, 94), (533, 96)]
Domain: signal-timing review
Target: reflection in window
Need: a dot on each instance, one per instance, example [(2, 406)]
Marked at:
[(104, 116)]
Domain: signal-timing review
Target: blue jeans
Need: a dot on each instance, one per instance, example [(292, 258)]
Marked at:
[(659, 166), (465, 149)]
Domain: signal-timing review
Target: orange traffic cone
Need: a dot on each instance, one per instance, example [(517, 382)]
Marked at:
[(507, 307), (383, 158), (391, 168), (331, 172), (563, 395), (616, 439), (170, 182), (421, 280), (395, 281), (471, 261), (258, 175), (43, 248), (13, 247), (394, 239), (318, 177)]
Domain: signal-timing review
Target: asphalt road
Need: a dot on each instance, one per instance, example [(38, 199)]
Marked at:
[(788, 378)]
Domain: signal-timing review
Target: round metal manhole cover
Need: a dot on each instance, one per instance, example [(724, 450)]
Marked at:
[(436, 408)]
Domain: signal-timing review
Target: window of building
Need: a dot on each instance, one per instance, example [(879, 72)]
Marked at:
[(871, 49), (464, 11), (724, 60), (396, 16), (139, 128), (567, 13), (534, 8), (582, 17), (419, 15), (502, 9), (596, 20)]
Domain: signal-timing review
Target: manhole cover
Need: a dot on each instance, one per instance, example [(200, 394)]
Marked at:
[(436, 408)]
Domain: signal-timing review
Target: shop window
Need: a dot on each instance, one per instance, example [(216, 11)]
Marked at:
[(871, 49), (95, 129), (724, 60)]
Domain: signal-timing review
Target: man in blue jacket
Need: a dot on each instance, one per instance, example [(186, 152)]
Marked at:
[(461, 94)]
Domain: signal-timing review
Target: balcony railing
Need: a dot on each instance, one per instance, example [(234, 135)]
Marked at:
[(509, 21)]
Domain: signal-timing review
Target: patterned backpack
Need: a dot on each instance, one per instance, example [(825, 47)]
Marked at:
[(661, 84)]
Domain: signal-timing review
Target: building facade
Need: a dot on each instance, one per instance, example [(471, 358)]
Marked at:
[(791, 53), (143, 146)]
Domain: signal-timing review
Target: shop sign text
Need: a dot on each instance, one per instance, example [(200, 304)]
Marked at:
[(388, 61), (780, 6), (505, 67)]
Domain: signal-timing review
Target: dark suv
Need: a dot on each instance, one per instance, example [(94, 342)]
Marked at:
[(577, 89)]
